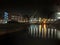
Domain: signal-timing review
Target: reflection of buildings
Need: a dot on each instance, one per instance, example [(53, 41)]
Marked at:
[(42, 31)]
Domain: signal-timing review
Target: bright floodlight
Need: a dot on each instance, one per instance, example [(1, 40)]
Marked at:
[(58, 13), (58, 17)]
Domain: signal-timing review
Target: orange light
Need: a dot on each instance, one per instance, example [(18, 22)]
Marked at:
[(45, 30), (44, 26)]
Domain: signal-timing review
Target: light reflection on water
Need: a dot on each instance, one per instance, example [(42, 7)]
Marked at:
[(42, 30)]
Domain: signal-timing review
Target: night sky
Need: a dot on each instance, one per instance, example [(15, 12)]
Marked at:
[(44, 8)]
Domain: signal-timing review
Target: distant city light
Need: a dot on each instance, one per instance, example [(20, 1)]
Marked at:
[(58, 13), (52, 19), (58, 17), (5, 17), (48, 19)]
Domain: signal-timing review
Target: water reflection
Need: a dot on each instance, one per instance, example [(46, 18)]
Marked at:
[(48, 32), (42, 30), (33, 29), (58, 34)]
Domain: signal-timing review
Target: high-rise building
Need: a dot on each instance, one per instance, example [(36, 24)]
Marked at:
[(5, 17)]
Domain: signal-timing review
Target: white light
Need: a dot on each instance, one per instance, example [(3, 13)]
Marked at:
[(58, 13), (58, 17)]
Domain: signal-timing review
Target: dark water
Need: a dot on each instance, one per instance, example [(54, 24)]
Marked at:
[(22, 38)]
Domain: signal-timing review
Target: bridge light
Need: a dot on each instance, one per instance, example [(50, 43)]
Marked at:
[(58, 17), (58, 13)]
